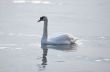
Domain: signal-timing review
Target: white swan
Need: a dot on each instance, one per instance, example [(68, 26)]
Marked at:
[(56, 39)]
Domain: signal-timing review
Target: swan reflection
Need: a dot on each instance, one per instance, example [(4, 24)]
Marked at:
[(72, 47), (42, 66), (45, 48), (44, 58)]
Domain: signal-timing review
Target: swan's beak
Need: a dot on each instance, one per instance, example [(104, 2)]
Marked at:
[(38, 20)]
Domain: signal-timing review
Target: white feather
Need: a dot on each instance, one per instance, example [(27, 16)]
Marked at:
[(61, 38)]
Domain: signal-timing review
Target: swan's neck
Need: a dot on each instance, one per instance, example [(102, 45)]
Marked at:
[(45, 32)]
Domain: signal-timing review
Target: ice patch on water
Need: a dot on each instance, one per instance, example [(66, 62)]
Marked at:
[(32, 1), (36, 2), (18, 48), (19, 1), (40, 2), (102, 37), (3, 48), (103, 60), (45, 2), (98, 60), (106, 59)]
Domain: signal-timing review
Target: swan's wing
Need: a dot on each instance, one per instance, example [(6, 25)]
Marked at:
[(62, 39)]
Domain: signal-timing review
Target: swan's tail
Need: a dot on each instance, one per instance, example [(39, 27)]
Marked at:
[(74, 41)]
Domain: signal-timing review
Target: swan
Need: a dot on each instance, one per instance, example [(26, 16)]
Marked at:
[(56, 39)]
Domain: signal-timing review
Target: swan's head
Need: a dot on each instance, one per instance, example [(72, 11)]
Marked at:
[(43, 18)]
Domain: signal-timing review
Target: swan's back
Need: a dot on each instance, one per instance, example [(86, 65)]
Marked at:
[(62, 39)]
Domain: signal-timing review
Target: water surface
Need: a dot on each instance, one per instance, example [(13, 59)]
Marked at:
[(20, 35)]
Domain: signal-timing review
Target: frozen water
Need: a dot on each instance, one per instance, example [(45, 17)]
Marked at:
[(20, 35)]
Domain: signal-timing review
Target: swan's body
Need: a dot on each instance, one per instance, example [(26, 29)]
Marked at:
[(60, 38)]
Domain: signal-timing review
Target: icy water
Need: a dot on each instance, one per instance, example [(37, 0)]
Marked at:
[(23, 53), (20, 35)]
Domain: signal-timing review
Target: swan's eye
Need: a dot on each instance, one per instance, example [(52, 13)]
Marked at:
[(42, 18)]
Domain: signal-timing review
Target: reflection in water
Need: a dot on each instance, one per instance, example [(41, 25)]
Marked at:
[(57, 47), (72, 47), (44, 58)]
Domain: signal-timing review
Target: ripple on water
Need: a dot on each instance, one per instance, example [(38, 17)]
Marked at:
[(93, 59), (60, 61), (19, 34), (103, 37), (11, 34), (8, 44), (1, 33)]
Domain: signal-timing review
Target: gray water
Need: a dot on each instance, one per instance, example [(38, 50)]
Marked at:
[(20, 35)]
